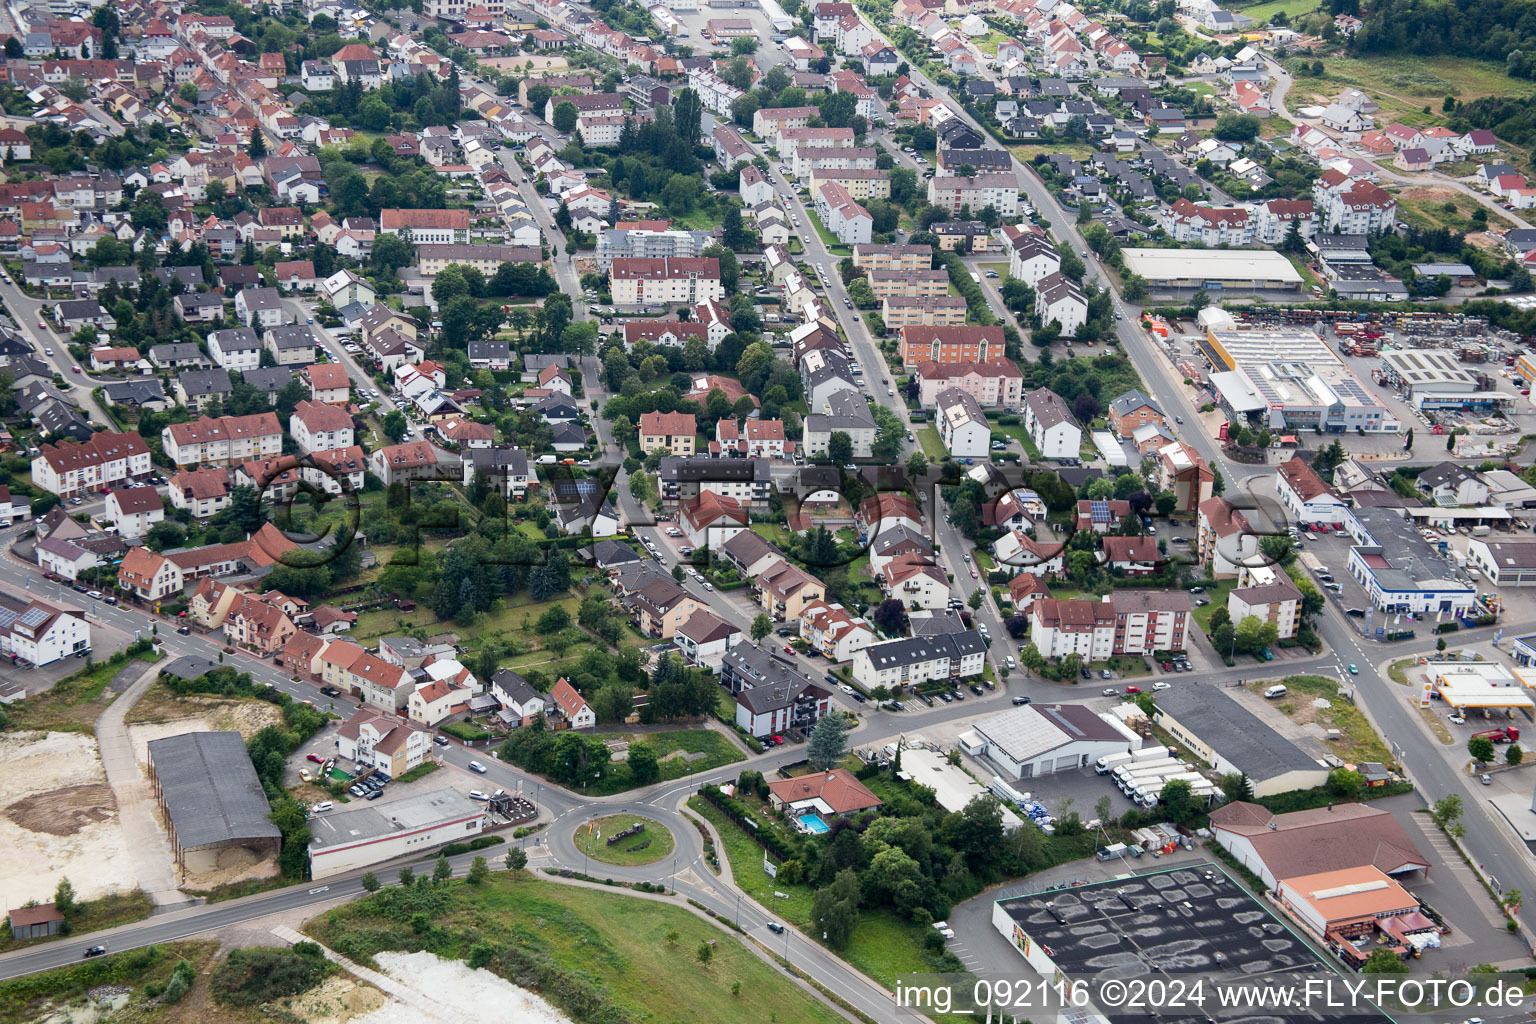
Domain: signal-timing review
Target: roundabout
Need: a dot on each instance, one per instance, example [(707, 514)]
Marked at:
[(624, 840)]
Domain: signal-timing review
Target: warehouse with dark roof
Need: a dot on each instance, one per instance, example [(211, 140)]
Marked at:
[(213, 805)]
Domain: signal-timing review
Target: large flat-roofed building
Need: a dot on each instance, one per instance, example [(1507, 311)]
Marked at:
[(953, 787), (1288, 378), (1135, 926), (1214, 270), (1337, 907), (1431, 378), (1221, 732), (351, 839), (214, 808), (1040, 739), (1399, 570)]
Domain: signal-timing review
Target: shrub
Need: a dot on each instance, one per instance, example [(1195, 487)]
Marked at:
[(180, 981), (249, 977)]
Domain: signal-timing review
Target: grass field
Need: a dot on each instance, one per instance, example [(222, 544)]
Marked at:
[(933, 445), (1262, 12), (22, 999), (1405, 85), (1217, 595), (73, 704), (638, 954), (1426, 208), (1359, 741), (657, 840)]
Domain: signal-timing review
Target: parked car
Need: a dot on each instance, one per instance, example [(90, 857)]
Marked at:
[(1133, 690), (475, 794), (440, 740)]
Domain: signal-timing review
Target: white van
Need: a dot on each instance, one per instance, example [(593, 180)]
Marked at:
[(546, 460), (1278, 690)]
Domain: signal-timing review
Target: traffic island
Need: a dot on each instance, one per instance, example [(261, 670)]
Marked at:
[(626, 840)]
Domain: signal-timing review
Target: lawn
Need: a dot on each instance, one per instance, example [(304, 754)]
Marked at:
[(774, 534), (827, 238), (516, 616), (647, 847), (933, 445), (1018, 433), (671, 749), (1359, 741), (74, 703), (1217, 595), (637, 956)]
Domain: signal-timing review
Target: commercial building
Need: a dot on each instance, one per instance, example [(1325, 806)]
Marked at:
[(1431, 379), (345, 840), (1399, 570), (212, 802), (1340, 907), (1289, 379), (1213, 270), (1506, 563), (1483, 685), (1332, 838), (1041, 739), (1229, 737), (1305, 496), (40, 633)]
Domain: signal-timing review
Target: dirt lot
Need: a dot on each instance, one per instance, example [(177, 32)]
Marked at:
[(196, 714), (58, 817)]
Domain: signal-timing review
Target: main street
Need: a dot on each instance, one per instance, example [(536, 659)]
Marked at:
[(50, 346)]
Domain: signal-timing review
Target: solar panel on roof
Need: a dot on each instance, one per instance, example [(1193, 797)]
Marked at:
[(33, 617), (7, 617)]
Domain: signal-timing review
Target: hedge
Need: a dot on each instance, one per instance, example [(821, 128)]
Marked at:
[(466, 732), (739, 812)]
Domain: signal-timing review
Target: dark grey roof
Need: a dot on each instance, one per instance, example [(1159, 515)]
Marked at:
[(135, 392), (936, 624), (189, 276), (189, 668), (702, 469), (236, 339), (210, 789), (499, 461), (267, 378), (608, 553), (291, 336), (1133, 400), (917, 649), (747, 547), (205, 382), (176, 352), (515, 686), (1233, 731)]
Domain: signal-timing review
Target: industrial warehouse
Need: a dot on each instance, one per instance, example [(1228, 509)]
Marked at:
[(1431, 378), (213, 805), (1224, 270), (1288, 378)]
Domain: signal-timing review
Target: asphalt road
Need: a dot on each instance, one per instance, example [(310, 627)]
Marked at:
[(27, 313)]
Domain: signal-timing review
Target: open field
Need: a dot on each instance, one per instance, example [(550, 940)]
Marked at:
[(1359, 741), (1426, 208), (638, 954), (1262, 12), (656, 839), (29, 999), (684, 752)]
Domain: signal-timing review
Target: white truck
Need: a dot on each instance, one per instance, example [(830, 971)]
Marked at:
[(1107, 763), (1127, 772)]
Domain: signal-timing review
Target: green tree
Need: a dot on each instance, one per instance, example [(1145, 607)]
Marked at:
[(64, 898), (840, 447), (1178, 799), (1384, 961), (1514, 755), (829, 742), (407, 876), (1345, 783), (442, 870), (258, 147), (644, 767), (761, 627), (975, 599), (516, 860), (369, 881), (395, 425), (479, 871), (565, 115), (706, 952), (1446, 813), (1480, 748)]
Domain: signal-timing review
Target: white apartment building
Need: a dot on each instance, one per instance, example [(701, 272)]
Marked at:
[(104, 462), (638, 281), (226, 441), (999, 191)]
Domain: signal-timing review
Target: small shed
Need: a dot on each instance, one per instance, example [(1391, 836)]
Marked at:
[(35, 922)]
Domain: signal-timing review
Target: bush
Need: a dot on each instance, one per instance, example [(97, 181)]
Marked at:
[(466, 732), (180, 981), (249, 977)]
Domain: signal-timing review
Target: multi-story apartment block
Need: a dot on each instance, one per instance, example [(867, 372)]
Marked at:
[(1278, 602), (1187, 222), (965, 344), (316, 426), (908, 662), (637, 282), (911, 284), (974, 194), (997, 383), (427, 227), (898, 311), (672, 432), (226, 441), (1126, 622), (105, 462), (893, 257)]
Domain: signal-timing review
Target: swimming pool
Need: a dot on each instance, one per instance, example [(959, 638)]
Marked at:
[(812, 823)]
